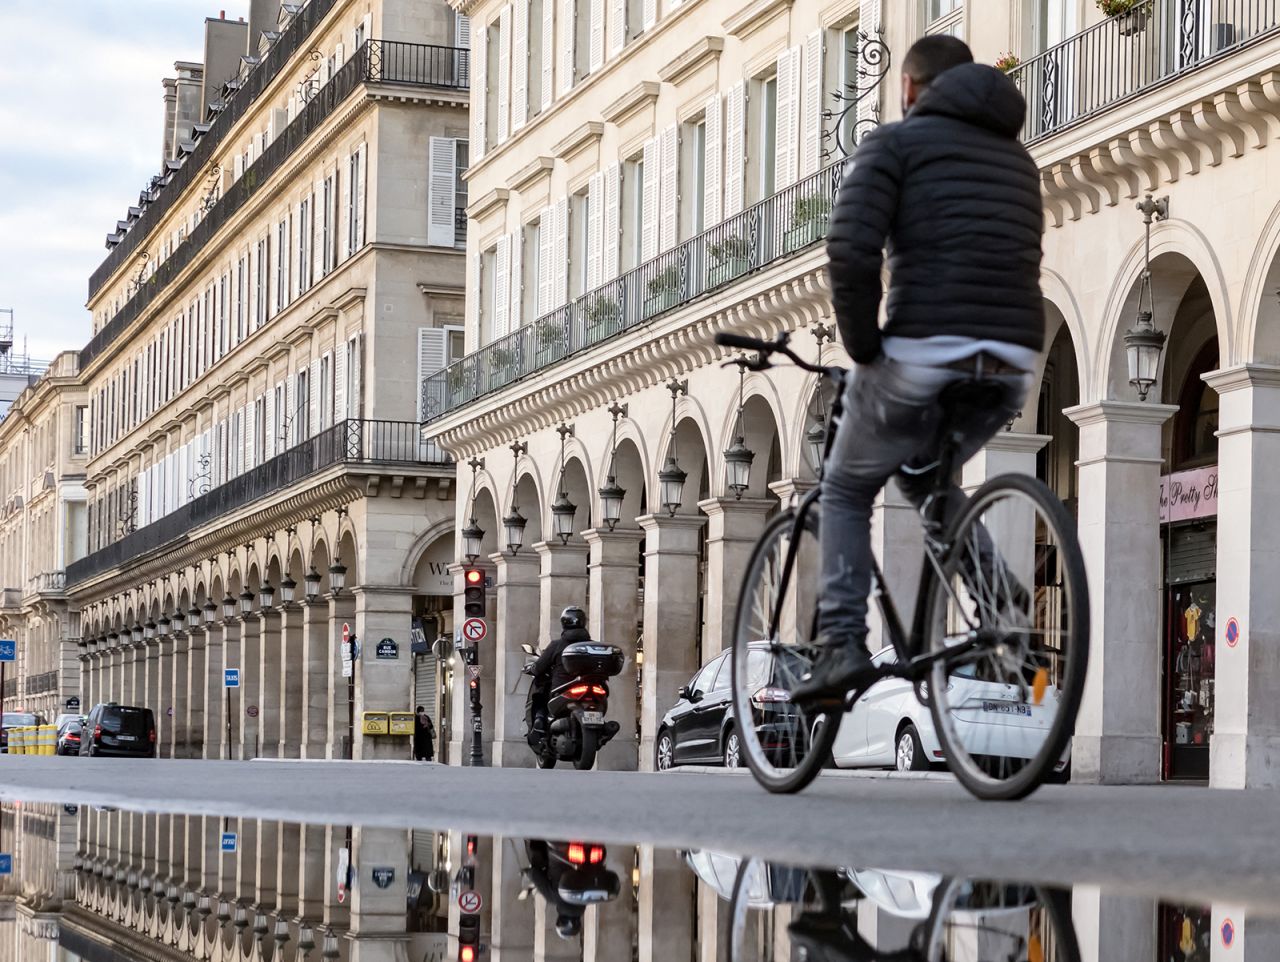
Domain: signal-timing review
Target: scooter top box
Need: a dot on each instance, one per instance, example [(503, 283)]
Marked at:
[(592, 658)]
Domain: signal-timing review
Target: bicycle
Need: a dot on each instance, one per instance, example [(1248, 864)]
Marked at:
[(999, 639)]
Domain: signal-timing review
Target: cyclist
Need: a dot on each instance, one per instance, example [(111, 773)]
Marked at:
[(956, 199)]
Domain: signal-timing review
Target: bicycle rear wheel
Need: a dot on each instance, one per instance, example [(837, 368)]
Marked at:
[(1010, 616), (987, 919), (785, 745)]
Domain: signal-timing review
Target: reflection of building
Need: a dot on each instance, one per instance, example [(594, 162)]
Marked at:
[(647, 174), (255, 479)]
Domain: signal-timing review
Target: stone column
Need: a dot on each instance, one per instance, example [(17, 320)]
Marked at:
[(613, 617), (319, 649), (124, 684), (665, 902), (609, 929), (1111, 926), (342, 610), (198, 693), (563, 581), (1255, 936), (517, 596), (242, 739), (1009, 452), (179, 695), (336, 914), (510, 917), (1118, 731), (270, 856), (156, 667), (377, 930), (1244, 751), (383, 684), (263, 658), (670, 619), (289, 867), (547, 946), (215, 696), (291, 701), (733, 527), (312, 855)]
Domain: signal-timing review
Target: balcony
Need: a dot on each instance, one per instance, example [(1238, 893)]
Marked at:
[(376, 61), (791, 221), (351, 442), (1127, 55), (47, 583)]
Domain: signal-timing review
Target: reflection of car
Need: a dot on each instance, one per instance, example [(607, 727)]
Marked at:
[(699, 728), (889, 727), (124, 730), (69, 735), (15, 719)]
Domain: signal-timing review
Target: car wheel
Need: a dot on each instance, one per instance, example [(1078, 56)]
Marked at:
[(909, 756), (665, 752), (732, 750)]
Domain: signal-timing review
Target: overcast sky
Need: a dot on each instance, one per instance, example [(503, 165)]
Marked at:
[(80, 129)]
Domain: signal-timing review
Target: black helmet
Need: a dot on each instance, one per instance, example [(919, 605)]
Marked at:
[(568, 926), (573, 617)]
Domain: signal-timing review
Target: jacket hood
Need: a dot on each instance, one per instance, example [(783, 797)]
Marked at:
[(977, 94)]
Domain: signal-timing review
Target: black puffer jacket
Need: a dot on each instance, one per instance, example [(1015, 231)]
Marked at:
[(957, 199), (549, 666)]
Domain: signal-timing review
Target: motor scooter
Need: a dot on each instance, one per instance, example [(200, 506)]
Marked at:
[(575, 711)]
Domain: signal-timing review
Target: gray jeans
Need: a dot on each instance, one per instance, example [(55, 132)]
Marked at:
[(891, 421)]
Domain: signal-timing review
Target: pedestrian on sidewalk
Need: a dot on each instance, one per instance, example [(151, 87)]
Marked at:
[(424, 737)]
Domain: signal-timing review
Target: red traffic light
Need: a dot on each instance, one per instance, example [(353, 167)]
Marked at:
[(466, 953), (474, 576)]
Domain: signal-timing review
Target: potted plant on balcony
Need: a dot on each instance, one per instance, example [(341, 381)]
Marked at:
[(729, 258), (502, 361), (602, 316), (1006, 62), (1130, 15), (549, 333), (808, 222), (455, 379), (662, 291)]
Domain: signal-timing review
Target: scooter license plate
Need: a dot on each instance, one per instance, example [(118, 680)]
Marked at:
[(593, 718)]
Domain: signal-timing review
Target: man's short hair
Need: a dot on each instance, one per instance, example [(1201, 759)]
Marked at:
[(931, 55)]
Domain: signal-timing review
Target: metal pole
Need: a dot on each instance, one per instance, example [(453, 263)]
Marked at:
[(351, 702), (229, 754), (477, 720), (2, 664)]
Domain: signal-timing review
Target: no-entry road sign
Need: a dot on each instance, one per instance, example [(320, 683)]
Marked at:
[(474, 629)]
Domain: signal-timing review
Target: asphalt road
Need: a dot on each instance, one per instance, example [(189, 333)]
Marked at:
[(1190, 843)]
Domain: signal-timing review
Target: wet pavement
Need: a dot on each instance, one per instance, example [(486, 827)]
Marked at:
[(416, 863)]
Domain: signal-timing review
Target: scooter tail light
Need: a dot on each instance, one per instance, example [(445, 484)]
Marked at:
[(596, 855), (577, 691), (577, 853), (770, 695), (599, 690)]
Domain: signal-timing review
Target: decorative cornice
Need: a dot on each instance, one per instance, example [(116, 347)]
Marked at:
[(754, 17), (578, 141), (530, 172), (350, 297), (643, 94), (490, 201), (706, 50)]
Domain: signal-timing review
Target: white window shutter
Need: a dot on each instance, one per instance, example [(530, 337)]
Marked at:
[(366, 24), (441, 179), (237, 166), (649, 202), (340, 383), (609, 214), (734, 148), (711, 163), (548, 51), (650, 14), (546, 276), (618, 17), (291, 411), (339, 52), (313, 398), (246, 437), (362, 194), (869, 24), (461, 31), (355, 403), (520, 65), (597, 35), (479, 132), (566, 30), (501, 286), (431, 357), (504, 74), (595, 199), (515, 313), (811, 109), (560, 253), (317, 230), (786, 131), (669, 158)]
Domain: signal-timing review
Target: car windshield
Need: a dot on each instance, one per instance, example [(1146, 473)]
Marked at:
[(125, 721), (14, 719)]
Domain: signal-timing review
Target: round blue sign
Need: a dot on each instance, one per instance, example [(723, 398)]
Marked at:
[(1228, 933)]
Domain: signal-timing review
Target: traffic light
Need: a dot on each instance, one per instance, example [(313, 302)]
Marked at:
[(473, 593), (468, 938)]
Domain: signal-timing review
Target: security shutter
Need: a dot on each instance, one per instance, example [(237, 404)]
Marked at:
[(811, 109), (478, 131), (504, 74), (560, 253), (1193, 552), (649, 202), (501, 286), (520, 65), (609, 214), (546, 276), (597, 35), (711, 163), (669, 158), (442, 174), (595, 198), (432, 346), (734, 148), (565, 67), (787, 134), (548, 51), (515, 313)]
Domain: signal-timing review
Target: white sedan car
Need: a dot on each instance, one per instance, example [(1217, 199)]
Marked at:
[(889, 728)]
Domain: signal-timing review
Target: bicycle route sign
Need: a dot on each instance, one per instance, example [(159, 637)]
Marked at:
[(474, 629), (8, 649)]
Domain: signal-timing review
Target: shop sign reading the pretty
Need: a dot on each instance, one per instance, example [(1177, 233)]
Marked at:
[(1187, 495)]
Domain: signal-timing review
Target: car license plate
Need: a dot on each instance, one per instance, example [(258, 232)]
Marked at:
[(1006, 708), (126, 738), (593, 718)]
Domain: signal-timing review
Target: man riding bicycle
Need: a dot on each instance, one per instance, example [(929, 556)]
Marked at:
[(955, 198)]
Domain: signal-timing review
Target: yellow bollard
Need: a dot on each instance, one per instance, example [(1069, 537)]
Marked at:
[(49, 739), (16, 739)]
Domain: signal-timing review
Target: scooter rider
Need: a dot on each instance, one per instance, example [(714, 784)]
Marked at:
[(544, 873), (548, 671)]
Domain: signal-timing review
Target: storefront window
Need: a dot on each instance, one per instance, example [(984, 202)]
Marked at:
[(1185, 933)]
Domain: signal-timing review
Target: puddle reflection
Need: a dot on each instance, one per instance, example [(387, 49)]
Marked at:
[(92, 883)]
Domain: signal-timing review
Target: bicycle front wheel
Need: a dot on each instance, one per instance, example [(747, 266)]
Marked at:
[(785, 745), (1008, 618)]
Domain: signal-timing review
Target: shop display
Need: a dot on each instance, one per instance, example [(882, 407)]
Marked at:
[(1193, 621)]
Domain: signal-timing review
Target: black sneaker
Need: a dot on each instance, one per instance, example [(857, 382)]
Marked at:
[(840, 668)]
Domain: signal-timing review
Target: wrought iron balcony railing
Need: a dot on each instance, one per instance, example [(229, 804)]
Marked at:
[(792, 220), (376, 61), (347, 442), (1152, 43)]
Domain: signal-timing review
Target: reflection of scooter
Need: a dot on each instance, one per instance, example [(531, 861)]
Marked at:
[(577, 728), (990, 921), (570, 876)]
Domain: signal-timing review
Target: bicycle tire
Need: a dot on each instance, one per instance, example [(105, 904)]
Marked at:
[(930, 938), (820, 729), (966, 766)]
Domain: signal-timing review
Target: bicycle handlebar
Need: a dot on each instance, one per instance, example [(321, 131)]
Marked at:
[(777, 346)]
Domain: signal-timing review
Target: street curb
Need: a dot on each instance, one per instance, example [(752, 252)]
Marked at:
[(830, 773)]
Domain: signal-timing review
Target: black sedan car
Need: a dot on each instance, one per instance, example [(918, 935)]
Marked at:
[(69, 735)]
